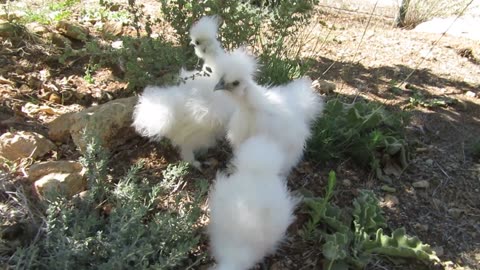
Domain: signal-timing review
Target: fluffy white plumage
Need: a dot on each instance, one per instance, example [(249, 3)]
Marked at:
[(251, 209), (192, 118), (283, 113), (203, 35), (191, 114)]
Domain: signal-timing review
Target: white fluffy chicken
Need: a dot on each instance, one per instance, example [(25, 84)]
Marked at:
[(203, 38), (251, 209), (283, 113), (191, 114)]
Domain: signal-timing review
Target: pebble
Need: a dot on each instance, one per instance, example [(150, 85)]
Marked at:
[(347, 182), (421, 184), (391, 200), (421, 227), (438, 250), (455, 212), (388, 189), (470, 94)]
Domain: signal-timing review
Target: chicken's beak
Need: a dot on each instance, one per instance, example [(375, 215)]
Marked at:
[(192, 43), (220, 85)]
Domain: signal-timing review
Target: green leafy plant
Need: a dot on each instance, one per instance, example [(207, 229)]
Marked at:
[(52, 12), (318, 207), (365, 132), (270, 30), (418, 99), (353, 237)]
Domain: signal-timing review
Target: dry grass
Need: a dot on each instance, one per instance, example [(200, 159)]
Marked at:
[(418, 12), (424, 10)]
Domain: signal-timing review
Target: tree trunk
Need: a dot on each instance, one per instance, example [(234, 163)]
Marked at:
[(402, 12)]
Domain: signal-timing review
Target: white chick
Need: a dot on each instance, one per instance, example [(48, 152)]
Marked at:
[(203, 38), (283, 113), (251, 209), (203, 35)]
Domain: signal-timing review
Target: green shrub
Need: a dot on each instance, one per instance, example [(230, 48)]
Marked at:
[(364, 132), (270, 30), (117, 226)]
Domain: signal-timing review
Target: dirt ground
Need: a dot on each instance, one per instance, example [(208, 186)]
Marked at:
[(363, 64)]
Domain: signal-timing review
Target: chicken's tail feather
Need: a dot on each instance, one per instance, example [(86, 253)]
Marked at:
[(310, 103), (155, 112)]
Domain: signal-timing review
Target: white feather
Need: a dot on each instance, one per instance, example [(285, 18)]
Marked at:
[(251, 209)]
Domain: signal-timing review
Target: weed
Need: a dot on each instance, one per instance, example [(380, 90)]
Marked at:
[(364, 132), (354, 236), (317, 208), (419, 99), (89, 71)]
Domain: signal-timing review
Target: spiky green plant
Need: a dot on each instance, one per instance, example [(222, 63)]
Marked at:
[(352, 238)]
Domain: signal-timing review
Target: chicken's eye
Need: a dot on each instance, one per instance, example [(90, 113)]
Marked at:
[(235, 83), (197, 42)]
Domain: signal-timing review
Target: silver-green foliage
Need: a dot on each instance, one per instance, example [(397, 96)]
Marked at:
[(116, 226)]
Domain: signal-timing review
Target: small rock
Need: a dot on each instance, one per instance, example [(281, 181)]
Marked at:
[(421, 184), (438, 250), (391, 200), (117, 44), (58, 40), (68, 184), (40, 169), (421, 227), (470, 94), (34, 82), (72, 30), (55, 98), (24, 144), (323, 86), (388, 189), (36, 28), (455, 212), (115, 7), (8, 29), (429, 162), (277, 266), (12, 15), (110, 122), (113, 28), (347, 182), (59, 129)]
